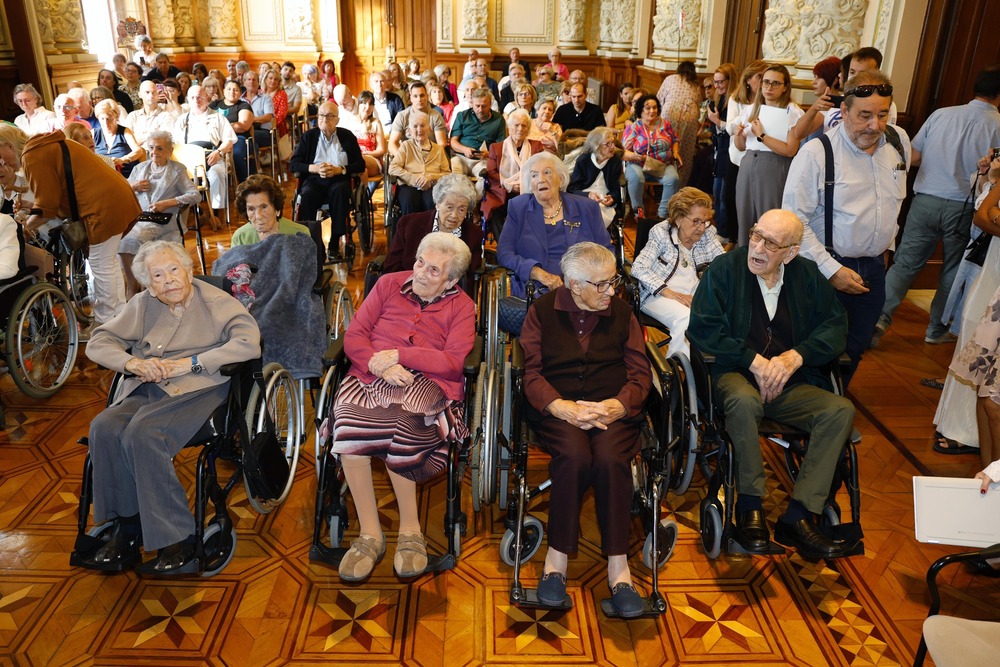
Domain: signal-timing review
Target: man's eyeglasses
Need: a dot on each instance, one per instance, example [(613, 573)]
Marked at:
[(606, 285), (328, 116), (883, 89), (771, 83), (773, 246)]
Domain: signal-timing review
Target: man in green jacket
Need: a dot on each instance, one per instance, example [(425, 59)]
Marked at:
[(772, 321)]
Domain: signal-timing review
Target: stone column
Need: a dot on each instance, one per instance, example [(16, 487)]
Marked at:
[(445, 38), (161, 27), (617, 28), (676, 30), (184, 30), (222, 24), (475, 14), (45, 27), (572, 24), (67, 25), (783, 26), (829, 28)]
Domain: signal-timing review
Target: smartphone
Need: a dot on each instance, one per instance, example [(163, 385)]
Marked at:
[(159, 87), (994, 154), (836, 100)]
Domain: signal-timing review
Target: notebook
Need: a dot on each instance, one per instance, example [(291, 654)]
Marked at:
[(951, 510)]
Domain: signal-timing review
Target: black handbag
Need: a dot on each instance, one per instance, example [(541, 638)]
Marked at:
[(72, 232), (978, 248)]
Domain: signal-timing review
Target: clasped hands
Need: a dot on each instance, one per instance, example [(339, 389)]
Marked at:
[(772, 374), (385, 364), (586, 415), (158, 370), (327, 170)]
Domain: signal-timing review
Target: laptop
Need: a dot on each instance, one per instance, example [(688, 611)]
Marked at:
[(951, 510)]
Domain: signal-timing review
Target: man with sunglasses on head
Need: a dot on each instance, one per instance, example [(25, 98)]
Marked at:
[(953, 139), (769, 318), (870, 158)]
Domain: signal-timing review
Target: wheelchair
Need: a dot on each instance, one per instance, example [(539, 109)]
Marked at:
[(228, 436), (653, 474), (361, 220), (331, 518), (718, 506)]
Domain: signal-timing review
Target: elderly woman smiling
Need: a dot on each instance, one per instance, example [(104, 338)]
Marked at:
[(419, 164), (171, 340), (454, 194), (162, 186), (669, 265), (407, 345)]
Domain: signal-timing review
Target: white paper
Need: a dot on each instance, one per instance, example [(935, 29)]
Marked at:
[(775, 121)]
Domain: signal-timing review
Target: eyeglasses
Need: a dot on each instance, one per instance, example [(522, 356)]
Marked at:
[(708, 86), (698, 223), (883, 89), (773, 246), (608, 144), (771, 83), (606, 285), (328, 116), (720, 82)]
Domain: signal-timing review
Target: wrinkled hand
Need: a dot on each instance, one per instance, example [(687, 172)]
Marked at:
[(160, 206), (986, 481), (158, 370), (776, 373), (676, 296), (756, 127), (576, 413), (381, 361), (848, 281), (398, 376), (141, 186), (213, 158), (608, 411), (550, 280)]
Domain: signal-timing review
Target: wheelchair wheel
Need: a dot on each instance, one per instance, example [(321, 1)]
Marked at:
[(830, 515), (339, 309), (323, 402), (78, 283), (683, 424), (531, 541), (711, 528), (492, 423), (42, 340), (475, 428), (456, 539), (220, 546), (666, 539), (364, 213), (280, 396)]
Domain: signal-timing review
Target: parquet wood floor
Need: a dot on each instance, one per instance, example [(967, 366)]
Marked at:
[(271, 606)]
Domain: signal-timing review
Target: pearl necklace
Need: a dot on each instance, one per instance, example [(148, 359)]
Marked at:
[(554, 217)]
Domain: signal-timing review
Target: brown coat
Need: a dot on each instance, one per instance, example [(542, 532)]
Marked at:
[(105, 200)]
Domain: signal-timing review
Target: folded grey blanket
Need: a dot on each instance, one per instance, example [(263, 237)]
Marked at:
[(288, 312)]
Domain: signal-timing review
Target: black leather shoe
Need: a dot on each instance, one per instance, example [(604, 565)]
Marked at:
[(175, 559), (626, 600), (552, 589), (120, 552), (805, 537), (751, 531)]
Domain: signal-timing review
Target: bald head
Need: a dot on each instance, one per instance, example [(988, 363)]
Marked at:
[(577, 76), (328, 117), (785, 223)]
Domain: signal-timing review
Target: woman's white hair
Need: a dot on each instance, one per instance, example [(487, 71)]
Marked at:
[(141, 271), (582, 261), (448, 244), (455, 185), (557, 165), (518, 114)]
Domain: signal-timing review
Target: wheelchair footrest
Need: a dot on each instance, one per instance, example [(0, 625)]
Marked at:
[(440, 563), (733, 547), (847, 532), (528, 597), (329, 555), (653, 606)]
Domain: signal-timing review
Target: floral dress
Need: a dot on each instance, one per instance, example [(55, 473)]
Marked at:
[(977, 361)]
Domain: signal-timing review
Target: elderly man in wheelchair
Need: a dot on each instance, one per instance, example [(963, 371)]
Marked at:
[(401, 400), (171, 340), (772, 321)]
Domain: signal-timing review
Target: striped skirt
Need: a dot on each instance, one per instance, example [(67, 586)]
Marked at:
[(407, 427)]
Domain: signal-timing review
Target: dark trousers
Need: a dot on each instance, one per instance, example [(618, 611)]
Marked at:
[(581, 459), (863, 310), (240, 160), (334, 192), (729, 192), (412, 200)]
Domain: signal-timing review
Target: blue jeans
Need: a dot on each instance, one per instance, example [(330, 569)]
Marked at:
[(636, 178), (930, 219)]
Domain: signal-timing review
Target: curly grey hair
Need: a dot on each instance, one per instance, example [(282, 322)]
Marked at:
[(454, 185), (534, 163), (141, 271)]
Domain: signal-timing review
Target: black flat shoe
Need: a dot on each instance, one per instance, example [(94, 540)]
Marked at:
[(173, 560), (751, 531), (981, 567), (552, 589), (806, 538), (120, 552), (626, 600)]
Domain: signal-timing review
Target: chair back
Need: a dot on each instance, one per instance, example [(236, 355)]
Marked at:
[(193, 158)]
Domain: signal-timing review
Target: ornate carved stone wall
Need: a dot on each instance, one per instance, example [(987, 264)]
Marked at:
[(299, 20), (673, 39), (45, 27), (160, 22), (781, 31), (475, 16), (66, 17), (445, 38), (830, 28), (572, 24), (618, 27), (184, 31), (222, 22)]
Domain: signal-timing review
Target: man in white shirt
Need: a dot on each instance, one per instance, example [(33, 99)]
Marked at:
[(387, 104), (212, 131), (151, 116)]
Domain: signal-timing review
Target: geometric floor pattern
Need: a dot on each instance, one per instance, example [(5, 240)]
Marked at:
[(272, 606)]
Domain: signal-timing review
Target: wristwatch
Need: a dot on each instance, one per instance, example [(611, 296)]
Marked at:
[(761, 137), (195, 366)]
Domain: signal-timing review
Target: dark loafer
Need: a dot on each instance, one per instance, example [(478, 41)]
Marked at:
[(805, 537), (751, 531), (120, 552), (173, 560), (626, 600), (552, 589)]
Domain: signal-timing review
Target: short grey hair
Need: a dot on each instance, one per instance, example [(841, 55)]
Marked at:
[(482, 92), (162, 54), (518, 114), (581, 261), (419, 115), (597, 136), (448, 244), (142, 39), (27, 88), (141, 271), (310, 69), (242, 66), (439, 70), (454, 185), (533, 162), (161, 135), (871, 77)]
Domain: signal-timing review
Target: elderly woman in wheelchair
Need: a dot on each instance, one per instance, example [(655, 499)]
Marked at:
[(401, 400), (586, 381), (171, 340), (671, 262)]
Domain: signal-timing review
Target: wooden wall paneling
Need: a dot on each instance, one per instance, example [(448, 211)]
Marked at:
[(744, 31), (366, 36)]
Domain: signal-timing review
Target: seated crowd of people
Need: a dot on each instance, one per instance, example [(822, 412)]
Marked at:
[(753, 261)]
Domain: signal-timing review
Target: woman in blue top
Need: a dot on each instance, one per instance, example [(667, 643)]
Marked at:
[(114, 140)]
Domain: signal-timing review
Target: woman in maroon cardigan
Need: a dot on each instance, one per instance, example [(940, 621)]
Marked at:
[(589, 420), (503, 168), (453, 196)]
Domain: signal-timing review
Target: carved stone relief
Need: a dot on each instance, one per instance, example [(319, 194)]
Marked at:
[(67, 25), (830, 28), (298, 19), (882, 26), (670, 35), (474, 19), (184, 22), (572, 22), (161, 22), (617, 25), (45, 27), (781, 31), (222, 22)]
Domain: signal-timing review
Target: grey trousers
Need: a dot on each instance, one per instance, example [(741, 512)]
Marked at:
[(827, 418), (759, 187), (132, 445)]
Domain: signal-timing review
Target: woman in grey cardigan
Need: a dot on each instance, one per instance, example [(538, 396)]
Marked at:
[(671, 262)]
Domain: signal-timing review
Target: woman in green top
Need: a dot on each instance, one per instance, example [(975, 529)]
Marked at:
[(259, 199)]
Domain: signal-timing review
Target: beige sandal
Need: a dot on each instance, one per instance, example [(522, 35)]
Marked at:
[(359, 561), (411, 555)]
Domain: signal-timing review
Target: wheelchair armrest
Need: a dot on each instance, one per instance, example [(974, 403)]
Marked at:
[(475, 357), (323, 281), (229, 370), (656, 358), (334, 353), (375, 265)]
